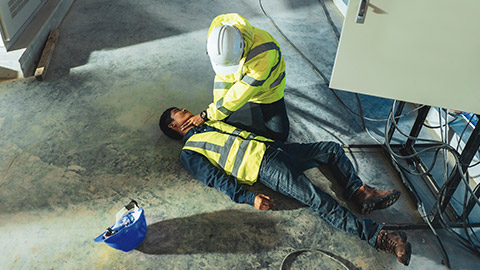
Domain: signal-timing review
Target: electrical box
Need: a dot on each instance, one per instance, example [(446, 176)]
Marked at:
[(420, 51)]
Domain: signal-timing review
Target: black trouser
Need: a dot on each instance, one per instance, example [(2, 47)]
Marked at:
[(276, 120)]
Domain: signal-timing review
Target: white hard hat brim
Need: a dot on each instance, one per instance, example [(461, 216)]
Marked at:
[(225, 70)]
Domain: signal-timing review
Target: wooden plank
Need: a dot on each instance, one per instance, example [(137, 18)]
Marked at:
[(42, 67)]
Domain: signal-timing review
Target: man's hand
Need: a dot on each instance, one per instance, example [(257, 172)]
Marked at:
[(263, 202), (194, 121)]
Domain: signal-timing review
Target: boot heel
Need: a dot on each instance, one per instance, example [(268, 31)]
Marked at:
[(405, 259)]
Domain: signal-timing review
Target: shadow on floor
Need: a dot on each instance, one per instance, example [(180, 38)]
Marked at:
[(212, 233), (106, 24)]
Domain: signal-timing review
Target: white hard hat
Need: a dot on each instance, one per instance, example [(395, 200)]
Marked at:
[(225, 48)]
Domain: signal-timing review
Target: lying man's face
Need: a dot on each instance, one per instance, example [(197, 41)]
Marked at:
[(179, 117)]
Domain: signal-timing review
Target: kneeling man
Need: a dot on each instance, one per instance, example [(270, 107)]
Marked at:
[(226, 157)]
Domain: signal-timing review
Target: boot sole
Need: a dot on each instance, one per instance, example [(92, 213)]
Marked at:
[(379, 203), (405, 259)]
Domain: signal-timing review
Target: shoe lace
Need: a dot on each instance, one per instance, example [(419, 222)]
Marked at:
[(386, 243)]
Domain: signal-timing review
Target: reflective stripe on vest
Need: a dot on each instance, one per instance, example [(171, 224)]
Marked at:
[(256, 51), (239, 157), (220, 107), (239, 153), (278, 80), (250, 80), (222, 85), (224, 151)]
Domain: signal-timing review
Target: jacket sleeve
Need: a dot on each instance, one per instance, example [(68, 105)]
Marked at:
[(207, 173), (220, 88), (257, 71)]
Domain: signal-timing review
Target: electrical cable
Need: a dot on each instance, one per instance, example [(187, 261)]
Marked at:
[(443, 146), (322, 76), (360, 111), (445, 140), (441, 126), (454, 153), (435, 127), (461, 136), (335, 32), (466, 219), (334, 29), (320, 73), (463, 131), (473, 165), (469, 244), (466, 242), (437, 146), (395, 155), (343, 262), (326, 81), (427, 220), (445, 175)]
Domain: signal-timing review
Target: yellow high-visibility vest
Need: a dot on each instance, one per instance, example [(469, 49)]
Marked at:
[(238, 152), (261, 78)]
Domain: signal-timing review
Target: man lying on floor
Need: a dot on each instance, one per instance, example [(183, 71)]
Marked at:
[(225, 157)]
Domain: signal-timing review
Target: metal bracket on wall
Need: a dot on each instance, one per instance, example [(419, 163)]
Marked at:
[(362, 11)]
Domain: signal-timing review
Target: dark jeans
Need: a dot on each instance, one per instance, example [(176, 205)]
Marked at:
[(276, 120), (282, 170)]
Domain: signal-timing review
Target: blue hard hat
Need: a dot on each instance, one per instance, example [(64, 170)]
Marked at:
[(128, 232)]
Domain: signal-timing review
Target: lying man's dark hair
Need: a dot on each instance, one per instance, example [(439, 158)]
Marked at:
[(165, 120)]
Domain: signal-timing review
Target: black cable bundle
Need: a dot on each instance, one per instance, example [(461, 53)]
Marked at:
[(470, 236)]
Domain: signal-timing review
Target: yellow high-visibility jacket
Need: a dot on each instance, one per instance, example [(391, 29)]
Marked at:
[(261, 78), (238, 152)]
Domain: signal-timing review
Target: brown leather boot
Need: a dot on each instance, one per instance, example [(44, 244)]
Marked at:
[(370, 199), (396, 243)]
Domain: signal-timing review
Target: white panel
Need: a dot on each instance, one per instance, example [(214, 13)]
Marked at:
[(422, 51), (14, 14)]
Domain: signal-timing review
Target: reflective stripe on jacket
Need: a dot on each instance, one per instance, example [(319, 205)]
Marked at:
[(261, 78), (238, 152)]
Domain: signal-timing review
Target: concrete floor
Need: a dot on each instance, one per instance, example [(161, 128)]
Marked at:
[(75, 148)]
